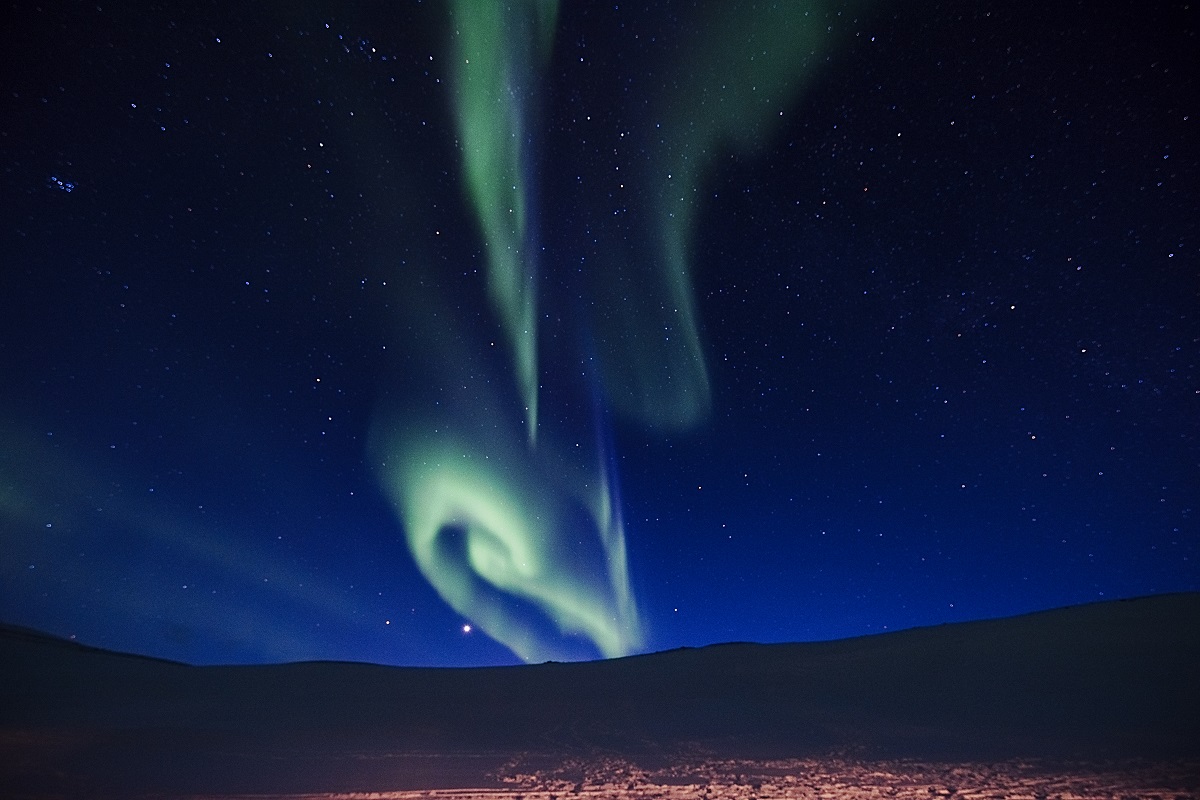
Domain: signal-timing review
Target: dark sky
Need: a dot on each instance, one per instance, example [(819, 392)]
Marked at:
[(329, 330)]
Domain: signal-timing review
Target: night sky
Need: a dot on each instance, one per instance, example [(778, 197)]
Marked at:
[(441, 334)]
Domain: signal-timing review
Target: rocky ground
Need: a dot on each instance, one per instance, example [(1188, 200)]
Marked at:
[(829, 779)]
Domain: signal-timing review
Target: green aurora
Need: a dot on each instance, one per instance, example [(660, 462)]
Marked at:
[(513, 521)]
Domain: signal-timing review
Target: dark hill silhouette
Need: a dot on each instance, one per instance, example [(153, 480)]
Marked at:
[(1105, 681)]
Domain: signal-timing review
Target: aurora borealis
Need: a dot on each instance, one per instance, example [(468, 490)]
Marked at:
[(599, 330), (520, 543), (495, 55), (523, 552)]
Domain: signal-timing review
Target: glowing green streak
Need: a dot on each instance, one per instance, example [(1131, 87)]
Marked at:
[(731, 79), (492, 73), (742, 72), (517, 540)]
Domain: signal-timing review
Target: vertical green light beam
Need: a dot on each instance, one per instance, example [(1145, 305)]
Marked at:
[(734, 73), (493, 68)]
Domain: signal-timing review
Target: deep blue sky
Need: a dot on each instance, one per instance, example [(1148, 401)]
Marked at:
[(945, 295)]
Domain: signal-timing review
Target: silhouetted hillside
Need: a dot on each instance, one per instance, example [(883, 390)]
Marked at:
[(1109, 680)]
